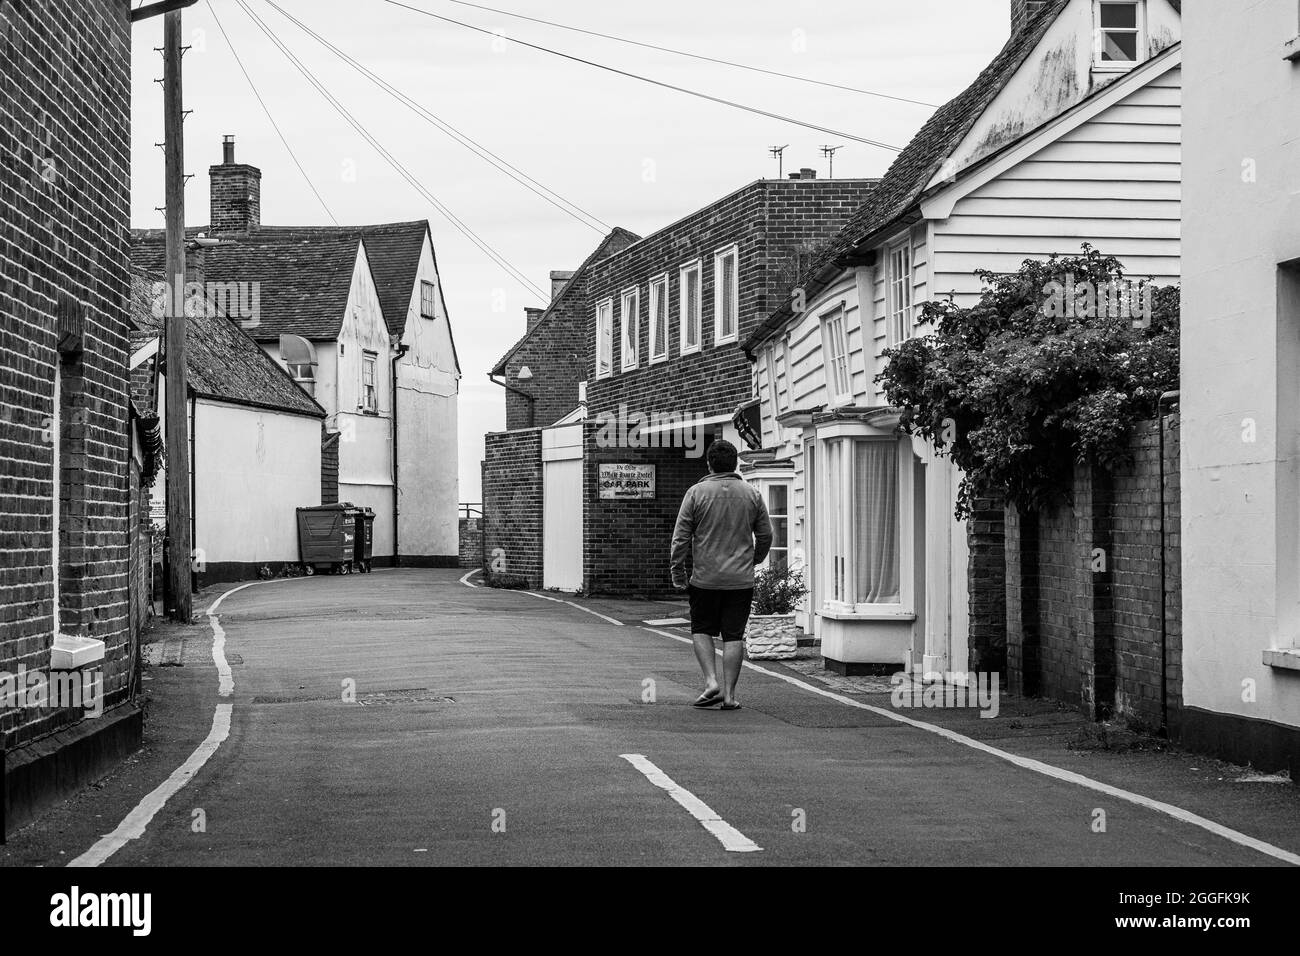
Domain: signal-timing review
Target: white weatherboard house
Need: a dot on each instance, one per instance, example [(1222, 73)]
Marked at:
[(381, 358), (1071, 135), (1241, 385)]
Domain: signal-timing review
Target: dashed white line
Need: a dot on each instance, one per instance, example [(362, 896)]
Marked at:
[(1037, 766), (732, 839)]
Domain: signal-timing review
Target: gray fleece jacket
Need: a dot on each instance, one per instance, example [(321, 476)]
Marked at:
[(723, 525)]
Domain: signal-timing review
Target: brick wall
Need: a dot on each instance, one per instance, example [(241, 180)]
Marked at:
[(776, 225), (626, 543), (1083, 592), (471, 542), (512, 507), (556, 354), (64, 214), (987, 586)]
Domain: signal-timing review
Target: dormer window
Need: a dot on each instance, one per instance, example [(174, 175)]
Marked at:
[(1119, 34)]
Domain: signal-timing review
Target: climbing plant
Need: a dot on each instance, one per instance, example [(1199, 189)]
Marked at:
[(1053, 366)]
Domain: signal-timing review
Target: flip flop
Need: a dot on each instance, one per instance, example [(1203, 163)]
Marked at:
[(730, 707), (708, 700)]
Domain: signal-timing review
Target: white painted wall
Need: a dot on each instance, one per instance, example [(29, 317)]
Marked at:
[(428, 384), (253, 467), (1241, 360)]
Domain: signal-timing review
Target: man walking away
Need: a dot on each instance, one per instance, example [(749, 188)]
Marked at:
[(723, 525)]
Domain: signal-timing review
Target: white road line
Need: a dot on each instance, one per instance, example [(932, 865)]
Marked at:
[(667, 621), (732, 839), (1037, 766), (465, 579), (133, 827), (586, 610)]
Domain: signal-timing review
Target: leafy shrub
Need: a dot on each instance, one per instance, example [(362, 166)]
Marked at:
[(778, 590), (1018, 389)]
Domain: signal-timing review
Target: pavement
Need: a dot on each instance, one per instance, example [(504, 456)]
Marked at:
[(407, 718)]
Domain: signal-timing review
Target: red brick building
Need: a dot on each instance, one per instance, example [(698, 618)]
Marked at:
[(65, 448), (620, 434)]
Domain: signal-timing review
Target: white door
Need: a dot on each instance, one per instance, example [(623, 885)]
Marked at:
[(562, 508)]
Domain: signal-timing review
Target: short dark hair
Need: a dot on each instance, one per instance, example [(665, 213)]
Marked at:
[(722, 456)]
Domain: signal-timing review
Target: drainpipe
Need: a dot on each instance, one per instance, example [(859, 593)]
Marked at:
[(1164, 613), (401, 351), (532, 399)]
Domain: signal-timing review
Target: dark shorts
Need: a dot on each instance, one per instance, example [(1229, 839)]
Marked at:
[(722, 613)]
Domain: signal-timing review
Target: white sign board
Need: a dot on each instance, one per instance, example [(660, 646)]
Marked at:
[(619, 481)]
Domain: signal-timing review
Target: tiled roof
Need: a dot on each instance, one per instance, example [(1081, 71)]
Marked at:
[(615, 242), (305, 272), (917, 164), (222, 362)]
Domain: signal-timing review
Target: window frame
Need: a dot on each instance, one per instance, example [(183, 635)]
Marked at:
[(696, 266), (729, 252), (901, 316), (606, 307), (369, 358), (765, 486), (835, 558), (625, 342), (432, 290), (1099, 33), (830, 320), (658, 298)]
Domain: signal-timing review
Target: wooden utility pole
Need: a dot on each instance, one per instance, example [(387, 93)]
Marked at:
[(179, 547)]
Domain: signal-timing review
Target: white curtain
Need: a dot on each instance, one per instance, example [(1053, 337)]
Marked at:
[(876, 522)]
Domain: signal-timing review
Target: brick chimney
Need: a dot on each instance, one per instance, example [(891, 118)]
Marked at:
[(805, 173), (236, 203), (558, 279), (1022, 11), (534, 316)]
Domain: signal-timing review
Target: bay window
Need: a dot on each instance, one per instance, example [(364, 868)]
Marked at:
[(864, 487)]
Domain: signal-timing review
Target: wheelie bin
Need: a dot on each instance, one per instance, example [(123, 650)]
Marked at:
[(327, 538)]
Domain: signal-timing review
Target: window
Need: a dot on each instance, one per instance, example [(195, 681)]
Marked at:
[(788, 399), (659, 318), (778, 512), (726, 303), (900, 293), (427, 299), (1118, 33), (863, 557), (369, 391), (690, 307), (839, 381), (605, 339), (629, 318), (304, 375)]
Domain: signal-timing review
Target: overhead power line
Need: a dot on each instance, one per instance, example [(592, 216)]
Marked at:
[(697, 56), (267, 111), (654, 82), (392, 160), (566, 206)]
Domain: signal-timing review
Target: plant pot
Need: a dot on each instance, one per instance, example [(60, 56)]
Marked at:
[(771, 637)]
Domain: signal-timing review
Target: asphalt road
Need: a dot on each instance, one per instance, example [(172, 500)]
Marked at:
[(490, 727)]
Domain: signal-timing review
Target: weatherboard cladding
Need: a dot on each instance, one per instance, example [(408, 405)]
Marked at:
[(305, 272), (916, 165), (222, 362)]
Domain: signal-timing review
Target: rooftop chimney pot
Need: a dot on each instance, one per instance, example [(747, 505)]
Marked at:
[(236, 193)]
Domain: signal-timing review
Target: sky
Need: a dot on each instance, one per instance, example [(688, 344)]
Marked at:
[(627, 152)]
